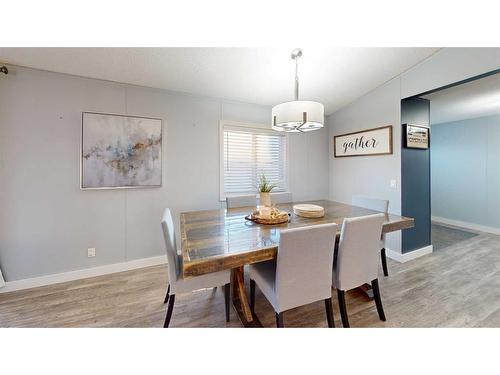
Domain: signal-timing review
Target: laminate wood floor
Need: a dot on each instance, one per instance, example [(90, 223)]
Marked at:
[(443, 236), (459, 286)]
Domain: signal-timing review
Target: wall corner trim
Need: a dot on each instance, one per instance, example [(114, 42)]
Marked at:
[(11, 286), (406, 257)]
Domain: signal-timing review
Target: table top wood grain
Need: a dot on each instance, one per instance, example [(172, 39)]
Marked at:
[(216, 240)]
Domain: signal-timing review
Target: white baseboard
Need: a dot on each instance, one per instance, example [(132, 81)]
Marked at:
[(406, 257), (57, 278), (465, 225)]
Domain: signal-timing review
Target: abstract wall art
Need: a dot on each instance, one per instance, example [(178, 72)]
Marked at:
[(119, 151)]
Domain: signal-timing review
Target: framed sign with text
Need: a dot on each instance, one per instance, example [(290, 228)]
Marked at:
[(415, 136), (370, 142)]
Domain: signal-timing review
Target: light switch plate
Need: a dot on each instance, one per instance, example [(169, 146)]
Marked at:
[(91, 252), (394, 184)]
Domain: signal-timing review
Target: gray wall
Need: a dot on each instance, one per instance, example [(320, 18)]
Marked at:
[(369, 175), (465, 165), (47, 223)]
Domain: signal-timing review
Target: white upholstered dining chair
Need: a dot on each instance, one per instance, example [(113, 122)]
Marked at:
[(177, 284), (278, 198), (356, 260), (380, 205), (251, 200), (241, 201), (302, 272)]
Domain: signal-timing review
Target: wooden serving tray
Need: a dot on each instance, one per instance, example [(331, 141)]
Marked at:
[(259, 220)]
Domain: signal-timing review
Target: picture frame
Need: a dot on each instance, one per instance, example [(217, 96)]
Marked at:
[(120, 151), (416, 136), (367, 142)]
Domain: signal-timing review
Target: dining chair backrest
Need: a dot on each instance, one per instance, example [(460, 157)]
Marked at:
[(370, 203), (167, 225), (375, 204), (281, 198), (358, 250), (241, 201), (304, 265)]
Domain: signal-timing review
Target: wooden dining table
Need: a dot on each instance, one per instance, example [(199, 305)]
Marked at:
[(216, 240)]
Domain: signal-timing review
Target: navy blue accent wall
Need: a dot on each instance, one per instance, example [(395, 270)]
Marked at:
[(416, 178)]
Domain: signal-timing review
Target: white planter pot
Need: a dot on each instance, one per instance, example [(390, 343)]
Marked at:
[(265, 199)]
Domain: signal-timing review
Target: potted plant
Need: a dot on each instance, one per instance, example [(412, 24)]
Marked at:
[(265, 188)]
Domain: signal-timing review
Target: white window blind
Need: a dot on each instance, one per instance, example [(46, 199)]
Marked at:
[(249, 152)]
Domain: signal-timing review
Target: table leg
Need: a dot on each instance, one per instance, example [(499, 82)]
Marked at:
[(366, 289), (234, 283), (240, 300)]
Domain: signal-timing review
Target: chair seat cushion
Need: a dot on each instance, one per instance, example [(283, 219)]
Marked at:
[(264, 275), (209, 280)]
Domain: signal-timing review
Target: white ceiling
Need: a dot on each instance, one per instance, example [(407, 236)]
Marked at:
[(470, 100), (333, 76)]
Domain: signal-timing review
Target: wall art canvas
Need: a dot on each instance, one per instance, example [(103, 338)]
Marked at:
[(120, 151), (377, 141)]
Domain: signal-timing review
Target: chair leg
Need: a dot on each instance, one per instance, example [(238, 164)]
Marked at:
[(329, 312), (170, 308), (252, 296), (384, 261), (378, 300), (167, 295), (342, 308), (227, 290), (279, 320)]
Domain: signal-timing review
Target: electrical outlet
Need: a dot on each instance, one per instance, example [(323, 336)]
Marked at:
[(394, 184), (91, 252)]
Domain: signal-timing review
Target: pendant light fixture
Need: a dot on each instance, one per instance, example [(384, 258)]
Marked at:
[(298, 116)]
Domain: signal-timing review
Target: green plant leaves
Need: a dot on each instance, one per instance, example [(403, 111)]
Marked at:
[(264, 185)]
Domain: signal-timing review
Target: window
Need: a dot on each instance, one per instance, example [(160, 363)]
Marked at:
[(247, 151)]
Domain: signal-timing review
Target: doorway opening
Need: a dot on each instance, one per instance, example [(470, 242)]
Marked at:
[(463, 162)]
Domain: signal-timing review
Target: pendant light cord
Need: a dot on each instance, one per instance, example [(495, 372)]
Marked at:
[(296, 53), (297, 78)]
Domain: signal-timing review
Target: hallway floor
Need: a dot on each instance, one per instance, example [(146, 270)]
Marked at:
[(443, 236)]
